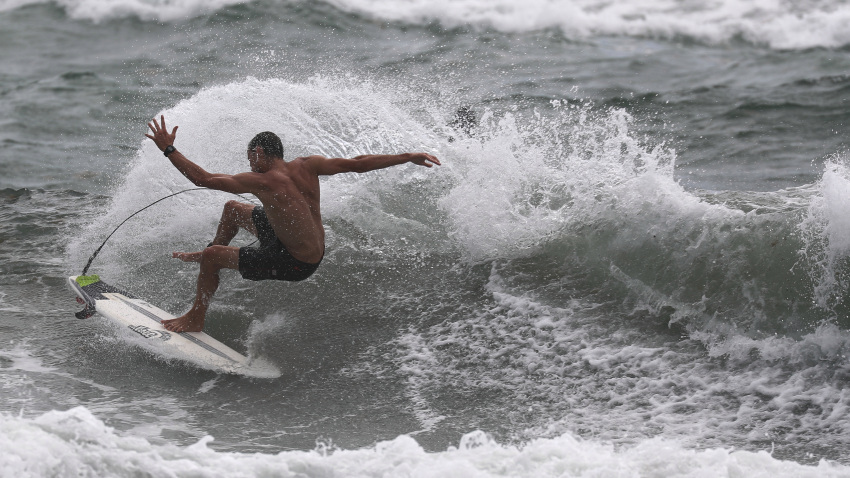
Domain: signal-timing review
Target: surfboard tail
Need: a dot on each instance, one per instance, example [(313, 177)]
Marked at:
[(76, 285), (89, 289)]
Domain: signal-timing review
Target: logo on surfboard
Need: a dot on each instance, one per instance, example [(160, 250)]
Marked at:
[(149, 333)]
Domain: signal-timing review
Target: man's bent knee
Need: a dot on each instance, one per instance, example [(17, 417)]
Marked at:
[(232, 208), (234, 205), (238, 211), (220, 257)]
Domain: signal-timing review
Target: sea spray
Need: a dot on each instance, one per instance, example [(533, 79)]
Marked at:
[(826, 233), (319, 117), (534, 176)]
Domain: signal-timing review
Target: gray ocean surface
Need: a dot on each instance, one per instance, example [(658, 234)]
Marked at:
[(634, 263)]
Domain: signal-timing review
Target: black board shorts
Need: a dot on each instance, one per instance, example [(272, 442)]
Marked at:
[(271, 260)]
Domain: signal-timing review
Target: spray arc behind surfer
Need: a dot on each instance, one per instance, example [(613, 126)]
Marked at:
[(288, 224)]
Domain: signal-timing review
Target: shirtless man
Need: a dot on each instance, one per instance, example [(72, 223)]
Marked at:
[(288, 225)]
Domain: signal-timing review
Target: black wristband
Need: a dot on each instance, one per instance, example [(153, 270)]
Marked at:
[(168, 150)]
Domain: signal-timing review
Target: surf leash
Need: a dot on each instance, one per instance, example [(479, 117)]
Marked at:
[(97, 251)]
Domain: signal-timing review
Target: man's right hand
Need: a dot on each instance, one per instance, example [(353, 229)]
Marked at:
[(424, 159), (161, 136)]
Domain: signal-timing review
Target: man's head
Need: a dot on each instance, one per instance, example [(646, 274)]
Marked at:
[(265, 147)]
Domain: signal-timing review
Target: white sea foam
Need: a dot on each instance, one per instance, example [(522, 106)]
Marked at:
[(76, 443), (578, 366), (20, 358)]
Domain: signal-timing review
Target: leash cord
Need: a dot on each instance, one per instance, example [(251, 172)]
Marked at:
[(88, 264)]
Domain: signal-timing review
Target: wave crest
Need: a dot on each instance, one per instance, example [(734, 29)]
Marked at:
[(146, 10), (781, 25)]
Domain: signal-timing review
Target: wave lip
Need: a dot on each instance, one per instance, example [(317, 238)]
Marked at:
[(826, 234)]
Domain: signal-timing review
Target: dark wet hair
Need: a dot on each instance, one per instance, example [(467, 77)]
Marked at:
[(270, 143)]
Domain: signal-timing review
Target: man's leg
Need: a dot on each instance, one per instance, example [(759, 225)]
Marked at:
[(235, 215), (212, 259)]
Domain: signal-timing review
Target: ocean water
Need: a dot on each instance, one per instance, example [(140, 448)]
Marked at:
[(635, 263)]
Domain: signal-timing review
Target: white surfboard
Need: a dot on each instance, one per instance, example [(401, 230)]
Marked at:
[(142, 318)]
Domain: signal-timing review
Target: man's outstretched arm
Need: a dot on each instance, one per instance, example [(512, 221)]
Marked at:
[(367, 162), (240, 183)]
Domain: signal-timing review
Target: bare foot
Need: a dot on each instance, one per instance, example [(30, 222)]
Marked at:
[(184, 323), (187, 256)]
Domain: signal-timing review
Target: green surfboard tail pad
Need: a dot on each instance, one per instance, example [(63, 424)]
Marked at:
[(87, 280)]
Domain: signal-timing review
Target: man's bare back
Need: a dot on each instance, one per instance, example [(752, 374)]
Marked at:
[(289, 225)]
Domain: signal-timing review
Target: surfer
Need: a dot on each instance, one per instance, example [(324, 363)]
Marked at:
[(288, 224)]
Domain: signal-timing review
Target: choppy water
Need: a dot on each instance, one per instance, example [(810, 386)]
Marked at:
[(635, 265)]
